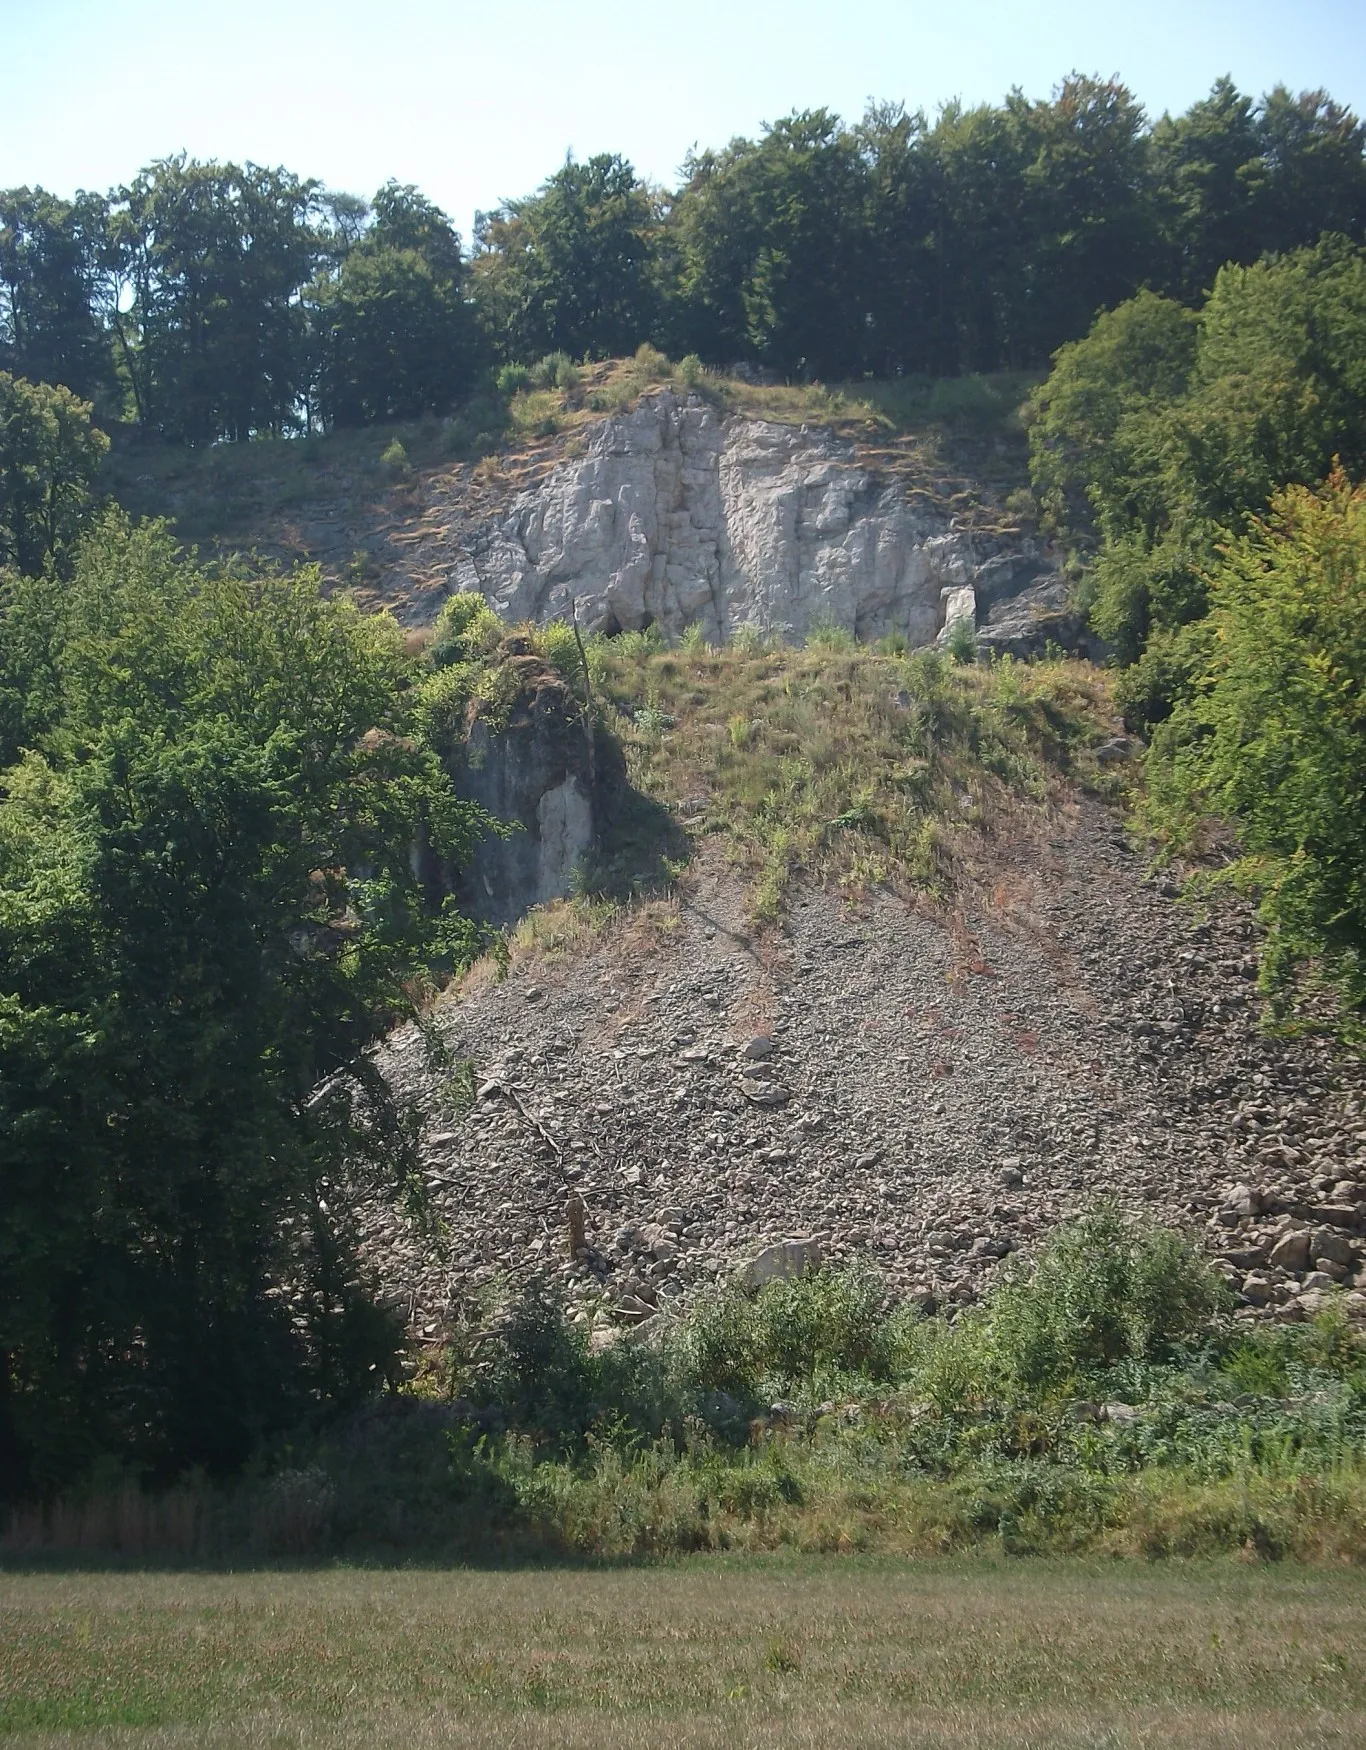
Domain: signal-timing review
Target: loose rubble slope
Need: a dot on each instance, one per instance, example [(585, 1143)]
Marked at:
[(926, 1091)]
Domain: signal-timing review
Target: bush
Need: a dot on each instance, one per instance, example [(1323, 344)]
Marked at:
[(466, 629), (541, 1375), (652, 364), (825, 633), (789, 1335), (558, 643), (394, 459), (555, 371), (512, 379), (1100, 1293), (1271, 735), (961, 642)]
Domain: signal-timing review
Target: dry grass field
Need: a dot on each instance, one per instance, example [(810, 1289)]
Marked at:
[(801, 1652)]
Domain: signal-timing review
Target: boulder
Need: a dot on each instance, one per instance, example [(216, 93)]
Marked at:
[(780, 1262), (1327, 1242), (1291, 1251)]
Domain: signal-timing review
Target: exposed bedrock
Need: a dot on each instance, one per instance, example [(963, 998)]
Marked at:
[(533, 763), (676, 516)]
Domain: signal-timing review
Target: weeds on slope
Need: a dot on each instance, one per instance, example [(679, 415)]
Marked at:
[(1100, 1400), (848, 764), (840, 762)]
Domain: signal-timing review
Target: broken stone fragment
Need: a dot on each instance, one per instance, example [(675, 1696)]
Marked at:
[(1291, 1251), (781, 1262), (764, 1093)]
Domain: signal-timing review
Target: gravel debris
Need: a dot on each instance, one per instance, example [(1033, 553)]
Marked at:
[(930, 1094)]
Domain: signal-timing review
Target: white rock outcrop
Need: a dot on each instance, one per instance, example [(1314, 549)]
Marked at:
[(677, 516)]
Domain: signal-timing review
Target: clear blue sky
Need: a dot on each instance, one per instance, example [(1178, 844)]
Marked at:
[(474, 102)]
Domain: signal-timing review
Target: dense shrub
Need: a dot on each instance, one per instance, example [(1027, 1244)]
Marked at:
[(1271, 735)]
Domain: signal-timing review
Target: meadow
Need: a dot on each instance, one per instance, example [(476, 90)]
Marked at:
[(782, 1651)]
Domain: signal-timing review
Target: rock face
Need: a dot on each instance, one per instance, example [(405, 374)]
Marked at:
[(678, 517), (532, 763)]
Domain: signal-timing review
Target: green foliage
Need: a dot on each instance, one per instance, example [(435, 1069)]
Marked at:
[(568, 268), (555, 371), (396, 337), (208, 915), (791, 1333), (50, 257), (1162, 433), (223, 301), (466, 628), (828, 634), (1090, 423), (1273, 733), (850, 766), (1100, 1294), (558, 643), (961, 643), (512, 379), (202, 269), (49, 455), (1099, 1400)]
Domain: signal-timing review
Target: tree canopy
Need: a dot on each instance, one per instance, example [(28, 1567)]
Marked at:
[(218, 301), (1272, 733), (1164, 428), (49, 453), (210, 788)]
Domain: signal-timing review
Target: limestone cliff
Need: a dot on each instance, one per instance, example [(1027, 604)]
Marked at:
[(676, 516)]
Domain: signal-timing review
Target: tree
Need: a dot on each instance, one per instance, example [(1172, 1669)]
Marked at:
[(208, 915), (1209, 174), (905, 319), (1314, 175), (979, 238), (49, 263), (771, 239), (569, 268), (49, 455), (396, 337), (1273, 735), (395, 340), (204, 268), (1161, 433), (1091, 442), (1087, 208)]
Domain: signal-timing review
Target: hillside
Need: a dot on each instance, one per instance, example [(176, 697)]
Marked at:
[(922, 1061), (909, 994)]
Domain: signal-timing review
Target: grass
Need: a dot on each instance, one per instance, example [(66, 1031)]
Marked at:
[(1099, 1401), (795, 1652), (844, 764)]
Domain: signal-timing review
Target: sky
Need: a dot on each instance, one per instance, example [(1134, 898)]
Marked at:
[(478, 102)]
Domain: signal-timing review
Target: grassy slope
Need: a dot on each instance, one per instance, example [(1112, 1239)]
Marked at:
[(793, 1652), (838, 762)]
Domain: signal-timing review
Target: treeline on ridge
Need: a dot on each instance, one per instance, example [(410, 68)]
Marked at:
[(211, 301)]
